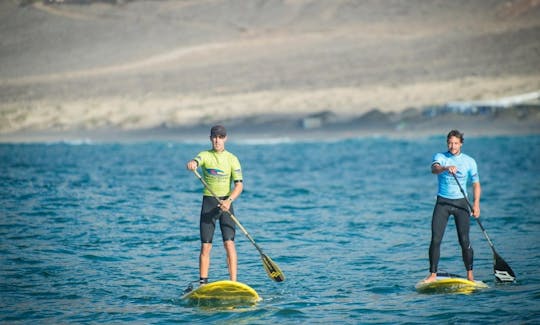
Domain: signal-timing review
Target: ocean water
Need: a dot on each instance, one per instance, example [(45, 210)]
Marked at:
[(108, 232)]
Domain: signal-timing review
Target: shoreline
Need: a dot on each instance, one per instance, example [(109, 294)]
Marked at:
[(323, 126)]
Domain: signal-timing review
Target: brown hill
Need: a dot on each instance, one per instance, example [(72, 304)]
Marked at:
[(135, 65)]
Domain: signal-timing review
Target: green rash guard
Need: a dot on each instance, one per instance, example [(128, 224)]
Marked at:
[(219, 170)]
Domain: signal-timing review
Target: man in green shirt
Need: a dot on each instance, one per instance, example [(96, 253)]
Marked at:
[(220, 169)]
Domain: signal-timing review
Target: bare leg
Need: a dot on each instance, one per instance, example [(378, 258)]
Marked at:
[(232, 259), (204, 259)]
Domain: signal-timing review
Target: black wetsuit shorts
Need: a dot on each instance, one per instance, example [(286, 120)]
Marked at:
[(210, 213)]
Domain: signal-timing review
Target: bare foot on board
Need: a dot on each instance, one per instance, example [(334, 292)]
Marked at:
[(432, 277)]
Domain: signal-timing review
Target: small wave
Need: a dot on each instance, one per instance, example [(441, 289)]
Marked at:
[(102, 258)]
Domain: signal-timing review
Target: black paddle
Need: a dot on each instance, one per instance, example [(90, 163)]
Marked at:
[(274, 272), (501, 269)]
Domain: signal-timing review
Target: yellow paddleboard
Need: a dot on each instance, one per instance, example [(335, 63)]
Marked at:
[(223, 292), (450, 284)]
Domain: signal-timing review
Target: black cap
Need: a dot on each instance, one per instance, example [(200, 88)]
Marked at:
[(218, 130)]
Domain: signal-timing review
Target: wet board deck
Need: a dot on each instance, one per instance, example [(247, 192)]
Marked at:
[(450, 284), (224, 292)]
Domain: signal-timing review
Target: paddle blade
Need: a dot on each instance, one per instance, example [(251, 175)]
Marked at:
[(503, 272), (274, 272)]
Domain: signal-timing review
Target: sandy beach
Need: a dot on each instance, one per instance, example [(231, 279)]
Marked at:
[(169, 69)]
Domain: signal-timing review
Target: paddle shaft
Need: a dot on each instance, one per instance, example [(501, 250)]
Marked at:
[(503, 271), (477, 219), (232, 216)]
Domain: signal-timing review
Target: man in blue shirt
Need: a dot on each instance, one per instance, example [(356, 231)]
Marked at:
[(450, 201)]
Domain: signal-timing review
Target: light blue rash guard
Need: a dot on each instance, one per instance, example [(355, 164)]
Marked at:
[(466, 170)]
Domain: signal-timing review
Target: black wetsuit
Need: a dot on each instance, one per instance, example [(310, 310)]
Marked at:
[(442, 211)]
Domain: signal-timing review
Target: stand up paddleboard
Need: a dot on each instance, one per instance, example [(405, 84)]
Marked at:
[(450, 283), (223, 292)]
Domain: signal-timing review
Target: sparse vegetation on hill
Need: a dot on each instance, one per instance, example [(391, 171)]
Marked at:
[(146, 65)]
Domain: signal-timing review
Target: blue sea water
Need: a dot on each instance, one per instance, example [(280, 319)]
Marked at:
[(108, 232)]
